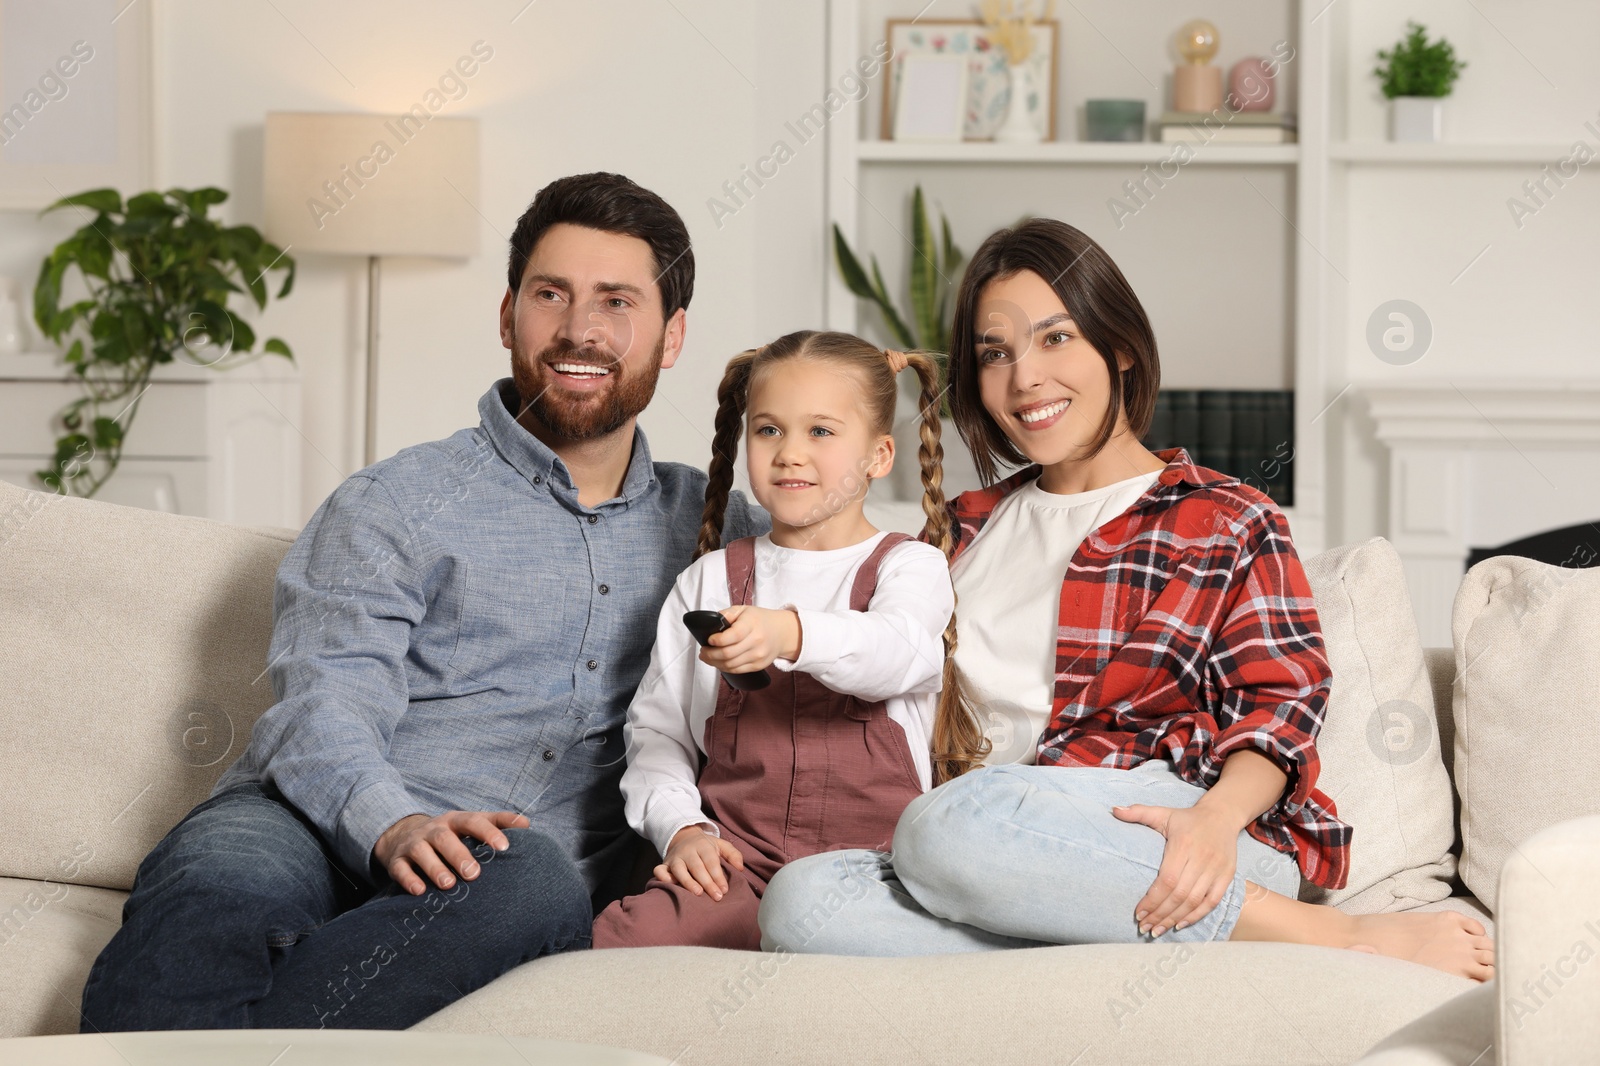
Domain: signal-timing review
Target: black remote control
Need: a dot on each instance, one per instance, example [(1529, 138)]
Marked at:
[(704, 623)]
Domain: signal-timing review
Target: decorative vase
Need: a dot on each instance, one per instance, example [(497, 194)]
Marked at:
[(1416, 118), (1250, 85), (1018, 127)]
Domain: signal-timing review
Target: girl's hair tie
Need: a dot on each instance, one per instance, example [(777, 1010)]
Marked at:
[(897, 360)]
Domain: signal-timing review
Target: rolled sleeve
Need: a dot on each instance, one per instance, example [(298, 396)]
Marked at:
[(1270, 667)]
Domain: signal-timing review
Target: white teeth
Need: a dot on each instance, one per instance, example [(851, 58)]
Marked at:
[(579, 368), (1044, 412)]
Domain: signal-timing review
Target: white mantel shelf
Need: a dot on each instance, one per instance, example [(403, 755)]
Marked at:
[(1527, 413), (1436, 431)]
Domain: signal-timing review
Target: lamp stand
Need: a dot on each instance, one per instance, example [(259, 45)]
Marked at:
[(370, 447)]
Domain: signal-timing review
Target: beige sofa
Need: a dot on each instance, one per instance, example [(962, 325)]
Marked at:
[(132, 650)]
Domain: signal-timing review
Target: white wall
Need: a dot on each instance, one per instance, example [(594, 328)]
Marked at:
[(675, 96)]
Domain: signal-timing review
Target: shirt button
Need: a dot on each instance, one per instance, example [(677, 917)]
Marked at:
[(537, 480), (593, 519), (592, 664), (548, 755), (604, 589)]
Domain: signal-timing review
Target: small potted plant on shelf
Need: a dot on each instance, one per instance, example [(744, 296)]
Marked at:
[(1416, 76), (154, 277)]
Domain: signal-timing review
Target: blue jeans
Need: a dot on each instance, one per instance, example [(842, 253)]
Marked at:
[(1005, 857), (242, 917)]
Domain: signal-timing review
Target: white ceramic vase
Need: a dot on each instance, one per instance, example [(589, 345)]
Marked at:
[(1416, 118), (1018, 128)]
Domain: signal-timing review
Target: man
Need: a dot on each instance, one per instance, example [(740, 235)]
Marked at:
[(458, 632)]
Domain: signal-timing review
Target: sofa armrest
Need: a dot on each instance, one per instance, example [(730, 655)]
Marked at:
[(1547, 950)]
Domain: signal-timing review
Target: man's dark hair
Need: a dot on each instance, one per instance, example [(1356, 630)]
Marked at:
[(614, 204)]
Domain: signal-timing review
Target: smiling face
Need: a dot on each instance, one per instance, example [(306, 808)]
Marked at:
[(586, 333), (1042, 383), (810, 445)]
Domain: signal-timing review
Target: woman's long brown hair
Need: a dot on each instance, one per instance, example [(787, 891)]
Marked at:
[(958, 743)]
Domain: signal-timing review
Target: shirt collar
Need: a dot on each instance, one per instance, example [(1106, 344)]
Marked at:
[(534, 460), (1179, 468)]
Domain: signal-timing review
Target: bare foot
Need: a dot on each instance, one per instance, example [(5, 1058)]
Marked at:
[(1445, 940)]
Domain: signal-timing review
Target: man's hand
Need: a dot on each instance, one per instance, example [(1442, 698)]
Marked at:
[(417, 843), (754, 637), (694, 859)]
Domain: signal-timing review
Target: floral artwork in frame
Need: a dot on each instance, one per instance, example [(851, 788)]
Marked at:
[(988, 80)]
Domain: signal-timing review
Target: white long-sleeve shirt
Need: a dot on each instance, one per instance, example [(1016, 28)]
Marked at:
[(893, 651)]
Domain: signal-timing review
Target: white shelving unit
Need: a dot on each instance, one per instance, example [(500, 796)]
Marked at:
[(1313, 207)]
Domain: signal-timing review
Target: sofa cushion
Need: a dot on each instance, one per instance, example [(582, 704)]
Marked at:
[(1527, 703), (1382, 760), (135, 644), (50, 934), (1172, 1004), (1459, 1033)]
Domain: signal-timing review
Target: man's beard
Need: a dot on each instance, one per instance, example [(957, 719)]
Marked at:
[(578, 416)]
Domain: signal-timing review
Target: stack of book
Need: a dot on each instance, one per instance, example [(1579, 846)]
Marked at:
[(1226, 127), (1246, 433)]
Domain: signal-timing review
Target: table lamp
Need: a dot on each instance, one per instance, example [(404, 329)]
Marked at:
[(372, 185), (1196, 85)]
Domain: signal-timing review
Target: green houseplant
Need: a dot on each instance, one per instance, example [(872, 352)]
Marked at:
[(933, 273), (1415, 76), (157, 273)]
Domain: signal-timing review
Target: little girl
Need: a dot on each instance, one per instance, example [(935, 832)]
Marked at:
[(853, 622)]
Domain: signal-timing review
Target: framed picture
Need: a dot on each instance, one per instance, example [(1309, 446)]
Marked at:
[(932, 103), (75, 99), (988, 81)]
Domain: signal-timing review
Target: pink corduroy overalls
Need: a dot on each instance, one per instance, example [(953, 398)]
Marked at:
[(791, 770)]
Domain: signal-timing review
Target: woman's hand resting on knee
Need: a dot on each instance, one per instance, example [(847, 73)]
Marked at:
[(1197, 864), (694, 860), (1202, 849)]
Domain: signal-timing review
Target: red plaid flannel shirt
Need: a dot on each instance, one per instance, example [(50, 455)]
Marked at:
[(1187, 631)]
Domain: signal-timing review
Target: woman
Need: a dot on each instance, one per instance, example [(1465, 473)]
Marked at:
[(1148, 623)]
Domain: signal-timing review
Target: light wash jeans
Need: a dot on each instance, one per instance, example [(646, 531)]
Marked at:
[(1002, 857)]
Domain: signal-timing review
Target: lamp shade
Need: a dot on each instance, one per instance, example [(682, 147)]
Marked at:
[(371, 184)]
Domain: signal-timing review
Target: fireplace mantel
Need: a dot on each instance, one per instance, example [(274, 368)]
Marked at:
[(1479, 463)]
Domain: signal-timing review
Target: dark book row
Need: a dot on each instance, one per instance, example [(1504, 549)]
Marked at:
[(1243, 432)]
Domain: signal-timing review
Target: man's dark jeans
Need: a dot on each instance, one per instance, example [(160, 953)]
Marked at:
[(243, 918)]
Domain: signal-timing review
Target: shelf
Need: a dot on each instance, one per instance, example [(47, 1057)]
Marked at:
[(1443, 152), (1060, 152)]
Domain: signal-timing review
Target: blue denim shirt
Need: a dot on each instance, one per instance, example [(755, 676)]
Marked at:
[(454, 630)]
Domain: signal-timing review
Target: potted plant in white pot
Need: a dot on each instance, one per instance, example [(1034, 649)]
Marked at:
[(1416, 76)]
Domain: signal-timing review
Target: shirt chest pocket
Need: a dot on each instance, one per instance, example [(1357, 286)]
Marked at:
[(1149, 591), (513, 618)]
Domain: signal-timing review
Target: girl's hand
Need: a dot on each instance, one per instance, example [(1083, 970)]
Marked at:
[(1197, 865), (755, 638), (694, 860)]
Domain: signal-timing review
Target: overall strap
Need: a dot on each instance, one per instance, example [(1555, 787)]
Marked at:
[(866, 581), (741, 565)]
